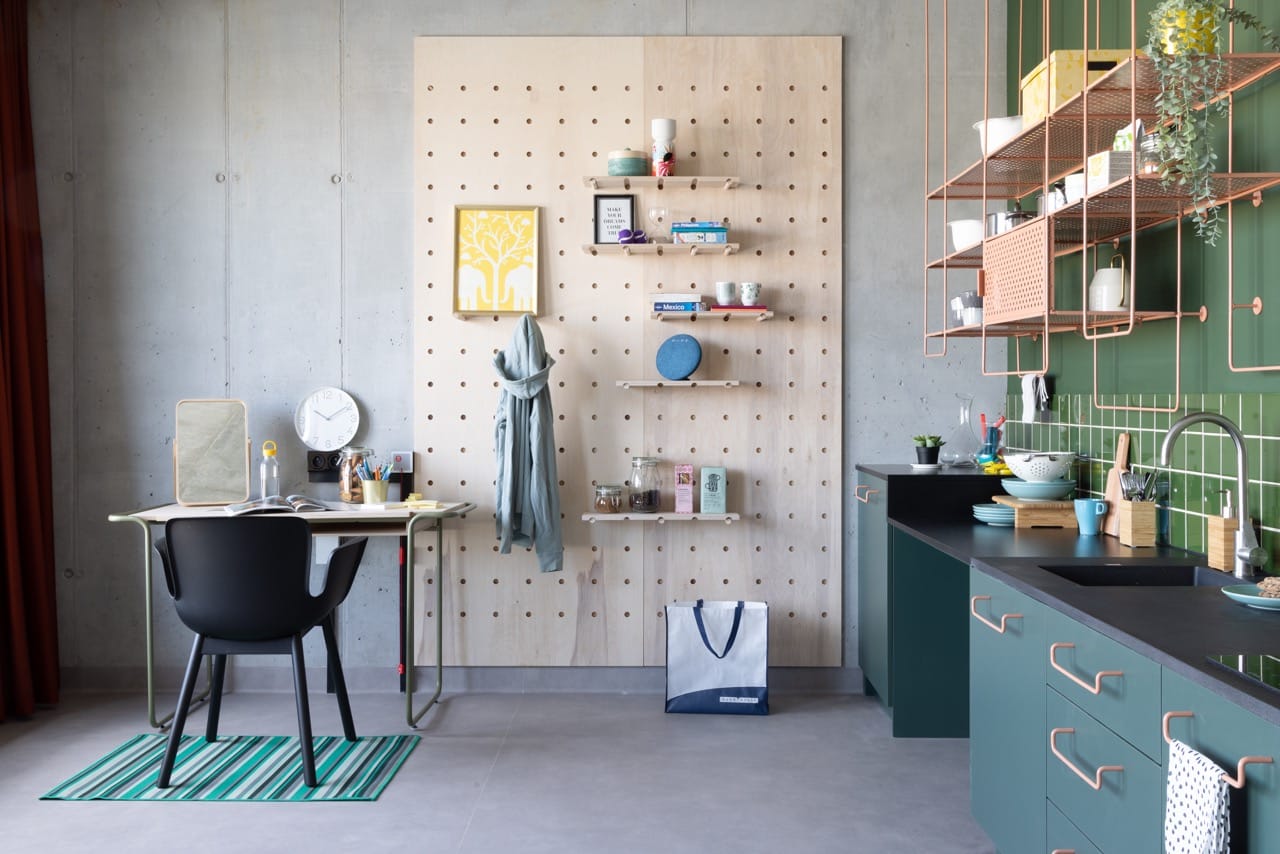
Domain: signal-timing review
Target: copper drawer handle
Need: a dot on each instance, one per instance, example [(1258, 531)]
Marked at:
[(1004, 618), (1096, 687), (1096, 782), (1063, 851), (864, 497), (1236, 782)]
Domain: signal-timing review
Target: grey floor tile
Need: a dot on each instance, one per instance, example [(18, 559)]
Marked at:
[(561, 773)]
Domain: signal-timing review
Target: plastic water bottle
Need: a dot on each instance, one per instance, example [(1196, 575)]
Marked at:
[(269, 470)]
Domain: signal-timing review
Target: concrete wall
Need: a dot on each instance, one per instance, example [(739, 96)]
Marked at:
[(226, 203)]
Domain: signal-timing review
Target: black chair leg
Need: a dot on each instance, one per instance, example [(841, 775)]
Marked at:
[(216, 678), (339, 681), (180, 713), (304, 713)]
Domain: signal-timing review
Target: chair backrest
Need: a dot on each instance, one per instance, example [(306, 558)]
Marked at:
[(246, 578)]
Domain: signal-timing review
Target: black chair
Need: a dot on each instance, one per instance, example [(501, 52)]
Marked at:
[(241, 584)]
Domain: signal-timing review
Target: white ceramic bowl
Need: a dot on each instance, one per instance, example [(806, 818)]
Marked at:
[(964, 233), (1001, 130), (1047, 490), (1040, 467)]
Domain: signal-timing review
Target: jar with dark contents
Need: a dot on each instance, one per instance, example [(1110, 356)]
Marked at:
[(645, 485), (608, 498), (350, 490)]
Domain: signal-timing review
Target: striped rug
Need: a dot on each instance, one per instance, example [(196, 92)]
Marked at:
[(241, 768)]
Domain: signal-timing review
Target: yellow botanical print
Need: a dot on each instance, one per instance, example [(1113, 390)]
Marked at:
[(495, 260)]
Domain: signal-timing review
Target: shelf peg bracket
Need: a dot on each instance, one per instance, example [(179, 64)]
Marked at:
[(1255, 306), (1257, 198)]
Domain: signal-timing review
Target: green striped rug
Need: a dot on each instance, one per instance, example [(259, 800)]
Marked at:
[(241, 768)]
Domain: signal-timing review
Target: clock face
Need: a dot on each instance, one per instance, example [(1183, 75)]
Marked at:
[(327, 419)]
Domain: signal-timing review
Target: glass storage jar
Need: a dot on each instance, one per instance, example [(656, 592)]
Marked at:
[(350, 489), (608, 498), (645, 484)]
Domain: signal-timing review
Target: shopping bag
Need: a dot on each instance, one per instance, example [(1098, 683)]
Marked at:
[(718, 657)]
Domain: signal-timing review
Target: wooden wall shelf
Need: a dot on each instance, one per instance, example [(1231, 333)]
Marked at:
[(678, 383), (661, 518), (679, 249), (710, 316), (668, 182)]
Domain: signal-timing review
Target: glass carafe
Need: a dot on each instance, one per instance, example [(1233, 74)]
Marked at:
[(962, 445)]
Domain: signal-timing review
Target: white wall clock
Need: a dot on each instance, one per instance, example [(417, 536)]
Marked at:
[(327, 419)]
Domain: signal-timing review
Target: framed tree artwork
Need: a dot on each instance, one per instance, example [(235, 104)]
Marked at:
[(495, 259)]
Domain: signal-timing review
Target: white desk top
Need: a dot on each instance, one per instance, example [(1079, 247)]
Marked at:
[(352, 518)]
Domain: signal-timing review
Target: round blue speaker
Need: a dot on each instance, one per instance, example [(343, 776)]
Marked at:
[(678, 357)]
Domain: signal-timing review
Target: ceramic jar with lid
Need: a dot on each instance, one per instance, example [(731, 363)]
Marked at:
[(608, 498), (350, 489)]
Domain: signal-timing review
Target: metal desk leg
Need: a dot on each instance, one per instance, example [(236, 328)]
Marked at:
[(147, 623), (412, 717)]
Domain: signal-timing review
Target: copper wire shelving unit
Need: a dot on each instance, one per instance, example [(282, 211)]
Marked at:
[(1045, 153)]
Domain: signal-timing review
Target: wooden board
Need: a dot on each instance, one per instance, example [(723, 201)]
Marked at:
[(1113, 494), (525, 121), (1039, 514)]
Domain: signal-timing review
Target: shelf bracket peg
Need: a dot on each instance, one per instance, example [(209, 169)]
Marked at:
[(661, 183), (693, 183), (728, 251), (1257, 198), (1255, 306), (626, 250), (595, 185), (728, 183), (626, 183), (693, 250)]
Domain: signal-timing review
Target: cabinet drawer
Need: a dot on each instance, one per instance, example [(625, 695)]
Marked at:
[(1123, 815), (1065, 837), (1128, 702)]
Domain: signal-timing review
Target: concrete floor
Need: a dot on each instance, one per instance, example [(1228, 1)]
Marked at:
[(560, 773)]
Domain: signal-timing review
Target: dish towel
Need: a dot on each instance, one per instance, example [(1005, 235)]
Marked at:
[(1197, 804)]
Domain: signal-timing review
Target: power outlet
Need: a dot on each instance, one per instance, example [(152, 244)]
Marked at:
[(403, 461), (322, 466)]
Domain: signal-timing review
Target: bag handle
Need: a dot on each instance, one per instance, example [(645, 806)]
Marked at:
[(702, 629)]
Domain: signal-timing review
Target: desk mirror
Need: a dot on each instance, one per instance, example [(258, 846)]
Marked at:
[(211, 452)]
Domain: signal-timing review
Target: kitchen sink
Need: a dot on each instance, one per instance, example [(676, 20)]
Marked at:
[(1140, 575)]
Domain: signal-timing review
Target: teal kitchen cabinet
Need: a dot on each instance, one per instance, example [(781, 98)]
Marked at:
[(1065, 837), (1105, 786), (873, 585), (1226, 733), (928, 631), (1007, 714)]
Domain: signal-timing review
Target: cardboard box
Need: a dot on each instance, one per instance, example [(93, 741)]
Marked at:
[(710, 235), (1065, 70), (1105, 168), (714, 486), (684, 488)]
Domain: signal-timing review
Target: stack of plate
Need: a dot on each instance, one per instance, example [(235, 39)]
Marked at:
[(994, 514)]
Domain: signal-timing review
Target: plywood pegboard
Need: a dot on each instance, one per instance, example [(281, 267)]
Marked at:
[(522, 121)]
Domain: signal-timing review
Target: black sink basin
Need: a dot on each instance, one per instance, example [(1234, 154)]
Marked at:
[(1139, 575)]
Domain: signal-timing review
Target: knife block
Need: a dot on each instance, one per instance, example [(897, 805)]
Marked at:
[(1222, 543), (1137, 523)]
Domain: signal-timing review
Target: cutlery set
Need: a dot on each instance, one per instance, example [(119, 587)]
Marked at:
[(1137, 487)]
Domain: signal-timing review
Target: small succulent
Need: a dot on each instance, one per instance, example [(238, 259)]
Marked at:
[(929, 441)]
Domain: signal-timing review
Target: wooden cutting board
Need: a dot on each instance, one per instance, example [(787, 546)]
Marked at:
[(1114, 494), (1039, 514)]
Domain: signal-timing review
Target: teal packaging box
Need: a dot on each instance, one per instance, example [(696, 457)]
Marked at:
[(714, 485)]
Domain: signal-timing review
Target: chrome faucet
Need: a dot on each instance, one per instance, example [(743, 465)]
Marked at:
[(1249, 555)]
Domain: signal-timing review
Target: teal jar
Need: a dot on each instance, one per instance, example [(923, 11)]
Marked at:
[(628, 163)]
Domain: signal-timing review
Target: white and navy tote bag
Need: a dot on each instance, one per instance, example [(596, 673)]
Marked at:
[(718, 657)]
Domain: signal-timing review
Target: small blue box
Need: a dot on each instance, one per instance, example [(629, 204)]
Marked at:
[(714, 487)]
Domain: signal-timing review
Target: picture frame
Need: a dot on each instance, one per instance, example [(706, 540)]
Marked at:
[(612, 215), (495, 259)]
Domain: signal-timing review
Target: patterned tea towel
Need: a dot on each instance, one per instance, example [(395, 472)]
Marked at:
[(1197, 804)]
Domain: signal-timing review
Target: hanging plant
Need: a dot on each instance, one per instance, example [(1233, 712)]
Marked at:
[(1183, 39)]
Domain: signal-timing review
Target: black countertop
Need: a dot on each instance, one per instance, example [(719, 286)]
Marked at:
[(1178, 627)]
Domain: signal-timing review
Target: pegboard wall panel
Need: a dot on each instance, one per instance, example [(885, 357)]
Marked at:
[(521, 121)]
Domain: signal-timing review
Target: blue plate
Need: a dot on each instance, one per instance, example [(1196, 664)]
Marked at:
[(1247, 594), (678, 357)]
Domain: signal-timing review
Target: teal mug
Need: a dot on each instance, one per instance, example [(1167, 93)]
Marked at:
[(1089, 513)]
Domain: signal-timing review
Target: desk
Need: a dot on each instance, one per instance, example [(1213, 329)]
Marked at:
[(351, 523)]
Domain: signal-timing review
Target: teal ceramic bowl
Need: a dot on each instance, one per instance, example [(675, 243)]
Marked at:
[(1038, 490)]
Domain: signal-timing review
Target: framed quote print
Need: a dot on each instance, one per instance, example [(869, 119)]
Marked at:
[(612, 215)]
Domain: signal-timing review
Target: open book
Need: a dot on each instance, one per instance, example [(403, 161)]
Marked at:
[(277, 504)]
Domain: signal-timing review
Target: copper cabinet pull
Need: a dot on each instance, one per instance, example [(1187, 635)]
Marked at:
[(1096, 687), (1236, 782), (864, 497), (1096, 782), (1004, 618)]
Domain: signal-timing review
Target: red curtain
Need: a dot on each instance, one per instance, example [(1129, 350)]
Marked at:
[(28, 617)]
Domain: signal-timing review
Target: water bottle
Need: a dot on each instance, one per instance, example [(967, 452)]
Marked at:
[(269, 470)]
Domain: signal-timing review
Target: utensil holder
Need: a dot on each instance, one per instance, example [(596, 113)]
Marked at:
[(1137, 523)]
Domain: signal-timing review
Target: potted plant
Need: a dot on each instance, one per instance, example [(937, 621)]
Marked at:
[(927, 448), (1183, 40)]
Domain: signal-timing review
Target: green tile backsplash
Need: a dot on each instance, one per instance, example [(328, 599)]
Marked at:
[(1204, 459)]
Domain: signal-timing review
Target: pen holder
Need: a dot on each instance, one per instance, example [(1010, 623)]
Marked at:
[(375, 491), (1137, 523)]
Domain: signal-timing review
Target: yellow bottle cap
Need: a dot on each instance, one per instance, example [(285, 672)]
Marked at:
[(268, 448)]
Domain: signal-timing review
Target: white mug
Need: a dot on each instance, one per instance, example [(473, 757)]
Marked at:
[(750, 293), (726, 293)]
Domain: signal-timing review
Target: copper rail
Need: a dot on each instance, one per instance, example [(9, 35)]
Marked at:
[(1236, 782), (1096, 687), (1096, 782), (1004, 618)]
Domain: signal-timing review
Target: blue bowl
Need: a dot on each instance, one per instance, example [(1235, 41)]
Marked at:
[(1046, 490)]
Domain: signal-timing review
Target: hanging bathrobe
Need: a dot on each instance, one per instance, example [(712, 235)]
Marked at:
[(528, 493)]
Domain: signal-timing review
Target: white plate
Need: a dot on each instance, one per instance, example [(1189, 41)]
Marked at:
[(925, 467)]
